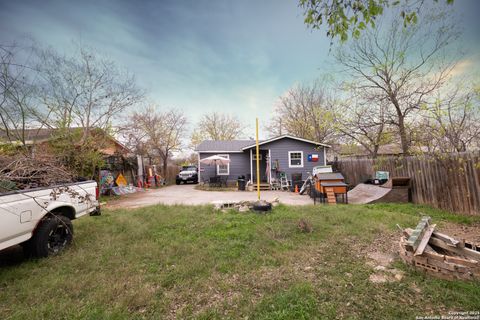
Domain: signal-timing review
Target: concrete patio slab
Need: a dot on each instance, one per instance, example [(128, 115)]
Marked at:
[(188, 195)]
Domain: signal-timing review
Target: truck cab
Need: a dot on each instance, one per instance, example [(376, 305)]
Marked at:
[(40, 219)]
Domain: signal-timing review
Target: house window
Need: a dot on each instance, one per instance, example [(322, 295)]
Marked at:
[(223, 170), (295, 159), (254, 156)]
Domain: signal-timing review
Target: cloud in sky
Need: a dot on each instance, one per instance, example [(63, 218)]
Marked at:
[(466, 66), (204, 55)]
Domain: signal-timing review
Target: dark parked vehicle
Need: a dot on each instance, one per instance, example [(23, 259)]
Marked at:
[(187, 174)]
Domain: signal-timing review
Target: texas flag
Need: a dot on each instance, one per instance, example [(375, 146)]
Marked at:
[(313, 157)]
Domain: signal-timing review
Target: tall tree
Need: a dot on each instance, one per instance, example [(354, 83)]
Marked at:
[(305, 111), (159, 133), (84, 90), (344, 18), (216, 126), (17, 92), (453, 121), (364, 123), (82, 94), (401, 68)]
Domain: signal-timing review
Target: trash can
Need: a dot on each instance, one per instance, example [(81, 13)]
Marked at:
[(241, 183)]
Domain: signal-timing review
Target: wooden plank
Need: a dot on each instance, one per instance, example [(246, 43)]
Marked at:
[(424, 242), (465, 262), (417, 234), (460, 251), (446, 238), (434, 255)]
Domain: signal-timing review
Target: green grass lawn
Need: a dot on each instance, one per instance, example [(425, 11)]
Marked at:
[(192, 262)]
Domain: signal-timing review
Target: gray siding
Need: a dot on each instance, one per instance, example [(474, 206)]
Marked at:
[(239, 166), (240, 162), (279, 151)]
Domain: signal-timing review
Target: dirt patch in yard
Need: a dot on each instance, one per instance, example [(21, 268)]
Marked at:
[(383, 250), (470, 233)]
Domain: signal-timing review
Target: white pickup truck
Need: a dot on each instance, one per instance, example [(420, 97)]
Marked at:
[(40, 218)]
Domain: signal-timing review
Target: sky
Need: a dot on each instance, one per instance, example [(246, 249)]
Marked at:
[(236, 57)]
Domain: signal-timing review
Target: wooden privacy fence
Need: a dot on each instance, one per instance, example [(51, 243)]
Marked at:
[(450, 182)]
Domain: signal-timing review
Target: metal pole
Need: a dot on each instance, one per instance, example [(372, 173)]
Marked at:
[(258, 160)]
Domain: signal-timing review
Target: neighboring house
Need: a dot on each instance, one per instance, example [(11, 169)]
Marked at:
[(342, 151), (39, 137), (284, 153), (117, 157), (359, 152)]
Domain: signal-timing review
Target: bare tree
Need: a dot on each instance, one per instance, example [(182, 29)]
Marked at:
[(305, 111), (453, 121), (80, 96), (216, 126), (364, 123), (17, 91), (157, 133), (84, 90), (401, 67)]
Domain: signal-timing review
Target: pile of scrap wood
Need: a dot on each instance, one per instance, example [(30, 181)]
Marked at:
[(23, 172), (438, 254)]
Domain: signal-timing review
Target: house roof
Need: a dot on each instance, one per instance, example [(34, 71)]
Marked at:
[(40, 135), (360, 151), (330, 176), (223, 146), (283, 137), (31, 135), (241, 145)]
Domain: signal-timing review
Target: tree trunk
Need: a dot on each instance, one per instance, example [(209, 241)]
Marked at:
[(165, 167), (375, 151), (402, 131), (403, 135)]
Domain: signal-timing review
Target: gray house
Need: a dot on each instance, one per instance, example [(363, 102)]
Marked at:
[(284, 153)]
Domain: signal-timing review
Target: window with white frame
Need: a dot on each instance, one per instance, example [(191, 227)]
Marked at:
[(295, 159), (223, 170)]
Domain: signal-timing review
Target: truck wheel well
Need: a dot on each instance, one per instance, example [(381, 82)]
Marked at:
[(68, 212)]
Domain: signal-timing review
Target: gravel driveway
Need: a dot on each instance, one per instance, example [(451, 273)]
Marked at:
[(186, 194)]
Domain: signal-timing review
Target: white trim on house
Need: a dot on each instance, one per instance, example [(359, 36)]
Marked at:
[(324, 157), (228, 165), (269, 167), (286, 136), (251, 166), (217, 151), (199, 171), (290, 159)]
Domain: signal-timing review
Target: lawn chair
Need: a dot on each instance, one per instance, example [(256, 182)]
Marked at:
[(275, 184), (215, 182), (223, 182)]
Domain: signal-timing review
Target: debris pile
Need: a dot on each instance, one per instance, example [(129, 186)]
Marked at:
[(26, 172), (439, 254), (242, 206)]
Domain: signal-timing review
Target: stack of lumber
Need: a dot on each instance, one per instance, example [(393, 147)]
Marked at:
[(442, 256)]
